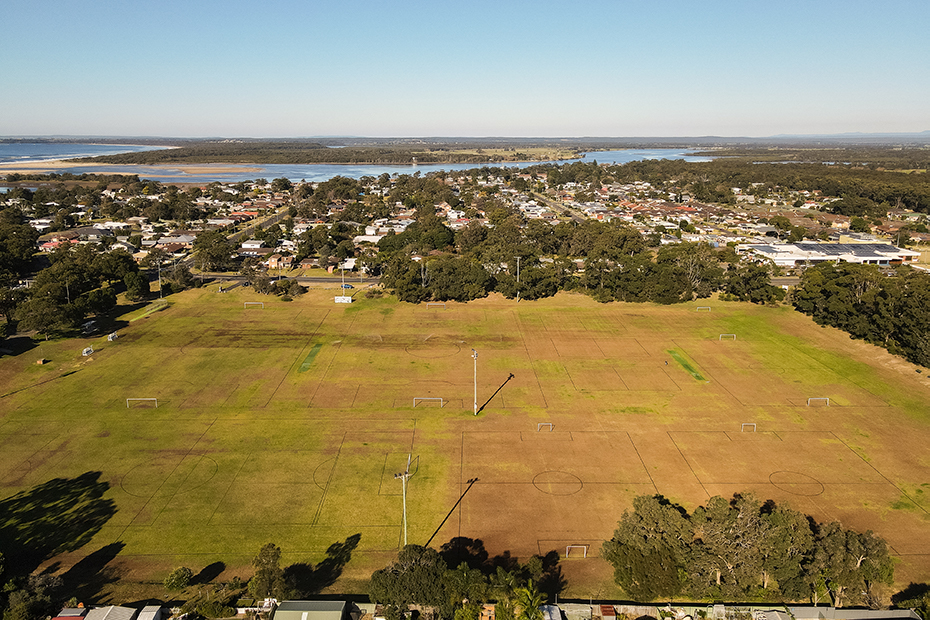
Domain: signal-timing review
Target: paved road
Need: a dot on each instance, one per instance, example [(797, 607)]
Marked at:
[(786, 281), (558, 207), (246, 233), (356, 282)]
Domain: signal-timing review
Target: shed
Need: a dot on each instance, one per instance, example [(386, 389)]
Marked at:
[(151, 612), (311, 610), (112, 612)]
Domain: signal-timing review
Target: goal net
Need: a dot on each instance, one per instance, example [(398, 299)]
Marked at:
[(576, 551)]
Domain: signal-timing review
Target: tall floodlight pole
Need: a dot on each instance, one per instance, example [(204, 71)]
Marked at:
[(518, 278), (403, 481), (474, 355)]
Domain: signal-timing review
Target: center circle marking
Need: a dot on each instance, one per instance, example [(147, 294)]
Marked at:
[(796, 483), (558, 483)]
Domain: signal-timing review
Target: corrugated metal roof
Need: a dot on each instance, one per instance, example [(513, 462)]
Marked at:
[(310, 610), (112, 612)]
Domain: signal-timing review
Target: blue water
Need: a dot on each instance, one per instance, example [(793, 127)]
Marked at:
[(25, 152), (295, 172)]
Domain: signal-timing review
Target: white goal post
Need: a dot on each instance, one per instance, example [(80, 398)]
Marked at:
[(246, 304), (584, 550), (702, 309), (743, 426), (540, 425), (824, 400), (442, 403), (155, 400), (727, 337)]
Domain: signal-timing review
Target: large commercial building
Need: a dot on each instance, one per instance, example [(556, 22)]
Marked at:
[(804, 254)]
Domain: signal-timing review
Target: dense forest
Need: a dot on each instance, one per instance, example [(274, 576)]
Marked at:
[(312, 153), (890, 311)]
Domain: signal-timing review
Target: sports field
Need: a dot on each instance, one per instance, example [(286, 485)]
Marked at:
[(288, 424)]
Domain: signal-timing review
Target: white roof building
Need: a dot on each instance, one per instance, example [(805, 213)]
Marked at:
[(799, 254)]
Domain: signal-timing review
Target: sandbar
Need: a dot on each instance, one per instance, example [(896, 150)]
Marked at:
[(170, 170)]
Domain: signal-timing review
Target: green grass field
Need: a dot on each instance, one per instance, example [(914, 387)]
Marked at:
[(287, 424)]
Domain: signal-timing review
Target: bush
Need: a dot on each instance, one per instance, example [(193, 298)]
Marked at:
[(215, 609), (179, 578)]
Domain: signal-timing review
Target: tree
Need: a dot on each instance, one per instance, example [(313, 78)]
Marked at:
[(137, 287), (268, 580), (179, 578), (859, 224), (698, 263), (528, 602), (418, 576), (281, 184), (466, 583), (751, 283), (728, 536), (43, 315), (213, 250), (649, 548)]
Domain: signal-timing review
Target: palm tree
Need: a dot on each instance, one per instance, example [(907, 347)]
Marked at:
[(528, 601)]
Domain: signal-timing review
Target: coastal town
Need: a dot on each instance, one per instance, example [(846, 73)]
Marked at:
[(789, 229)]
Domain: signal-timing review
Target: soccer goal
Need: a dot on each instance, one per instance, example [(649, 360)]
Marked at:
[(749, 425), (818, 401), (436, 304), (580, 551), (702, 309), (442, 403), (727, 337), (542, 425), (151, 400), (248, 304)]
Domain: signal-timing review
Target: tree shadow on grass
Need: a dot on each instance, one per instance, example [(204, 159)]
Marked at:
[(552, 581), (544, 569), (87, 578), (471, 551), (911, 595), (16, 345), (304, 579), (208, 573), (54, 517)]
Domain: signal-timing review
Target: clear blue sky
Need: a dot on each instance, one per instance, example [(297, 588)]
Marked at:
[(469, 68)]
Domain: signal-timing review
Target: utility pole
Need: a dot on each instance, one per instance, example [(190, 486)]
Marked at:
[(474, 355), (403, 480)]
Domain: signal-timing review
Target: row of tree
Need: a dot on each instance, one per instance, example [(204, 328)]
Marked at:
[(744, 549), (891, 311), (79, 282), (605, 260), (456, 580)]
